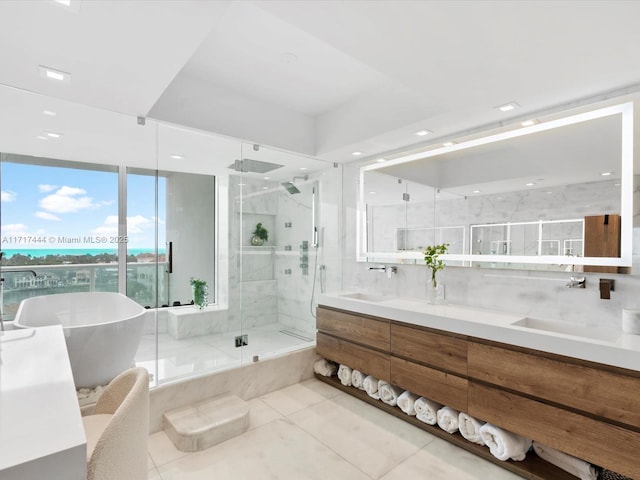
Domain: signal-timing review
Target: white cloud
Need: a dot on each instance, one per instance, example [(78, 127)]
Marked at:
[(136, 224), (67, 200), (14, 229), (46, 216), (8, 196), (44, 188)]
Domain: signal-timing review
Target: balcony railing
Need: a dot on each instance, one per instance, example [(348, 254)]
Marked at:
[(146, 282)]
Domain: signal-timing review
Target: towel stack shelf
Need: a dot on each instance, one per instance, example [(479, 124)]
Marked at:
[(585, 409)]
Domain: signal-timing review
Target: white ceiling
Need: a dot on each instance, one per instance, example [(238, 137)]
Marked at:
[(324, 78)]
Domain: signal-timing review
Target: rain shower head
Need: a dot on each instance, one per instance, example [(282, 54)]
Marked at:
[(290, 186)]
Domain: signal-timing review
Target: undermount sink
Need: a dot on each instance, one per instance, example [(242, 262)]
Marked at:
[(367, 297), (585, 331)]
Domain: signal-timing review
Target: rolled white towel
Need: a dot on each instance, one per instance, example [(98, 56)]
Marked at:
[(427, 410), (568, 463), (325, 368), (389, 393), (448, 419), (503, 444), (370, 385), (357, 379), (344, 374), (470, 428), (407, 401)]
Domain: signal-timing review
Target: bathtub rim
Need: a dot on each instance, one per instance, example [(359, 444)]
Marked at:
[(18, 324)]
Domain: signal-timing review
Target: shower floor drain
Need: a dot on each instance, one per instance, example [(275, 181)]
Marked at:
[(296, 335)]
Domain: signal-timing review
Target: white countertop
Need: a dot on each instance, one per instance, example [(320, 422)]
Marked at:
[(41, 432), (618, 349)]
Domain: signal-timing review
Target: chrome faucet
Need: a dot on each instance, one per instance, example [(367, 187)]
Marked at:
[(577, 282), (381, 268)]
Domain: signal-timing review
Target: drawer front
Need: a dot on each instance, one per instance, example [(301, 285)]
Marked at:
[(599, 392), (440, 351), (367, 331), (438, 386), (597, 442), (360, 358)]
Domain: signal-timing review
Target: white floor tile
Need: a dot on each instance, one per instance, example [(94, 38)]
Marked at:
[(277, 450), (301, 395), (162, 450), (261, 413), (440, 460), (369, 438)]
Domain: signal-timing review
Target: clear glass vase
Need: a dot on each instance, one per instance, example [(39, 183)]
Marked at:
[(435, 295), (200, 296)]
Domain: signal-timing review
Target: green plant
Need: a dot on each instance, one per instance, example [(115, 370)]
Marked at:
[(432, 260), (199, 292), (261, 232)]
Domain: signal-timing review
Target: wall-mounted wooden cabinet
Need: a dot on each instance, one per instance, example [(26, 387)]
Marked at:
[(585, 409)]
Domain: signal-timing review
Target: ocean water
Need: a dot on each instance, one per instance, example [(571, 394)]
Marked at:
[(43, 252)]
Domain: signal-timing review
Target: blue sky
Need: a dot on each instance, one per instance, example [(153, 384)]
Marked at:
[(52, 202)]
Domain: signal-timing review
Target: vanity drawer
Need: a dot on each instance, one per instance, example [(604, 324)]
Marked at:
[(363, 330), (368, 361), (433, 384), (587, 388), (597, 442), (434, 349)]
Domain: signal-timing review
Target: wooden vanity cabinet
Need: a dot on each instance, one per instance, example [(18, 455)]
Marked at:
[(588, 410), (582, 408), (589, 388), (359, 341)]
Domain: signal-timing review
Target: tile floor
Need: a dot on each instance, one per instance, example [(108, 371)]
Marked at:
[(181, 358), (311, 430)]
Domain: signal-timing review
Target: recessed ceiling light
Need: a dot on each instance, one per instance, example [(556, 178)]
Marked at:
[(530, 184), (303, 168), (448, 144), (267, 178), (42, 137), (357, 153), (380, 160), (528, 123), (265, 188), (549, 192), (372, 193), (507, 107), (70, 5), (54, 135), (422, 133), (49, 113), (606, 174), (175, 156), (476, 191), (53, 74)]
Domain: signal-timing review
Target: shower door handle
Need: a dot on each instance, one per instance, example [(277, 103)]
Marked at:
[(170, 259)]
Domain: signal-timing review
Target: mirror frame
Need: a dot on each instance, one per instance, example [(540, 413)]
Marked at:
[(626, 195)]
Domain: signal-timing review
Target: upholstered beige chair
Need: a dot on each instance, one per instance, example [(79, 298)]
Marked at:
[(118, 430)]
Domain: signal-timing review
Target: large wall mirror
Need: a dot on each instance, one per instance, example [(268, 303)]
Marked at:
[(554, 195)]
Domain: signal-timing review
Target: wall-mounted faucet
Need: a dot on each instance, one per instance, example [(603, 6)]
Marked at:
[(577, 282), (381, 268), (606, 287), (389, 270)]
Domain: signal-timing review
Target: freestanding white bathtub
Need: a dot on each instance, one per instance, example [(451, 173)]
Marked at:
[(102, 331)]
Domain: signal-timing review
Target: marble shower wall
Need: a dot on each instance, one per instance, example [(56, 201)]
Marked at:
[(526, 292), (266, 283)]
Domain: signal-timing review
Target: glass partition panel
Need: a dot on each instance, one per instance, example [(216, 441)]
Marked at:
[(288, 217)]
